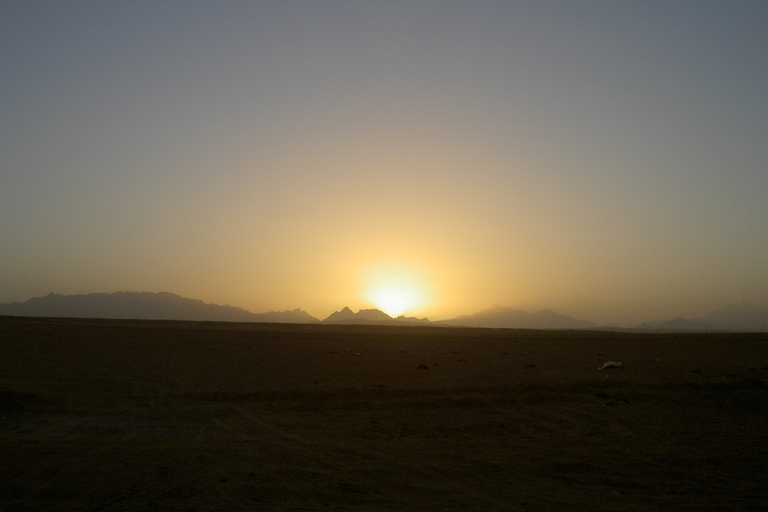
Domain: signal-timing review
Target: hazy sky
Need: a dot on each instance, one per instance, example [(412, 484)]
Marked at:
[(608, 160)]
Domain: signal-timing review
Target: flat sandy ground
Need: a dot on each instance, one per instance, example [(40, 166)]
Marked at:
[(145, 415)]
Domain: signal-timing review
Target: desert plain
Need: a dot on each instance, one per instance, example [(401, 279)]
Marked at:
[(132, 415)]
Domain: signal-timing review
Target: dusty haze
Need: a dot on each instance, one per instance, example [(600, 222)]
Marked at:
[(602, 159)]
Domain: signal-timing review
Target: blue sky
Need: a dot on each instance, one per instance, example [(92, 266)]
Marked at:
[(603, 159)]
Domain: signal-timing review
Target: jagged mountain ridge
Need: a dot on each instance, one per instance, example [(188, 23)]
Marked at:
[(372, 317), (364, 316)]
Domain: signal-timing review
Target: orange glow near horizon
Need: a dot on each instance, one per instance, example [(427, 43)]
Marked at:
[(396, 288)]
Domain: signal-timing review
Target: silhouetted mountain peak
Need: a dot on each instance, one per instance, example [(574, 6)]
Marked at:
[(346, 315), (373, 314), (337, 316)]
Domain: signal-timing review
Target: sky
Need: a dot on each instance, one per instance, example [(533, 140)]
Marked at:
[(607, 160)]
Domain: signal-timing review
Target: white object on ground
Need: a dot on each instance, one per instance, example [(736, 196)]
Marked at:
[(611, 364)]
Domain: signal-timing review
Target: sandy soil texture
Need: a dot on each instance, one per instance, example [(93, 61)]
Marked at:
[(182, 416)]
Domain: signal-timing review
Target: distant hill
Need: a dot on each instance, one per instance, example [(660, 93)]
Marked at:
[(735, 317), (144, 305), (739, 317), (502, 317), (294, 316), (678, 324)]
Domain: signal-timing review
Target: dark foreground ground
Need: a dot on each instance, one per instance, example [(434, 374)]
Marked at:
[(180, 416)]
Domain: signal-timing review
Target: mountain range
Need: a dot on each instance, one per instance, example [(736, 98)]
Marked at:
[(169, 306), (144, 305), (371, 316)]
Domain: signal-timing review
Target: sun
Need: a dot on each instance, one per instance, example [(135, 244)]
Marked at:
[(393, 301), (395, 288)]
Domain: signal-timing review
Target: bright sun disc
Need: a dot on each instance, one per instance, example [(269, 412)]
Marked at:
[(395, 289), (393, 301)]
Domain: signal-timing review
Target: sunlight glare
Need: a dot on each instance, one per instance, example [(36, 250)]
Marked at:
[(393, 302), (395, 289)]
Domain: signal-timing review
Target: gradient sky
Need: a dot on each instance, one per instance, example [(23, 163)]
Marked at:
[(608, 160)]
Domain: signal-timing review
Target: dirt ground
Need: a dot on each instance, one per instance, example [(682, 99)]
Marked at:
[(114, 415)]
